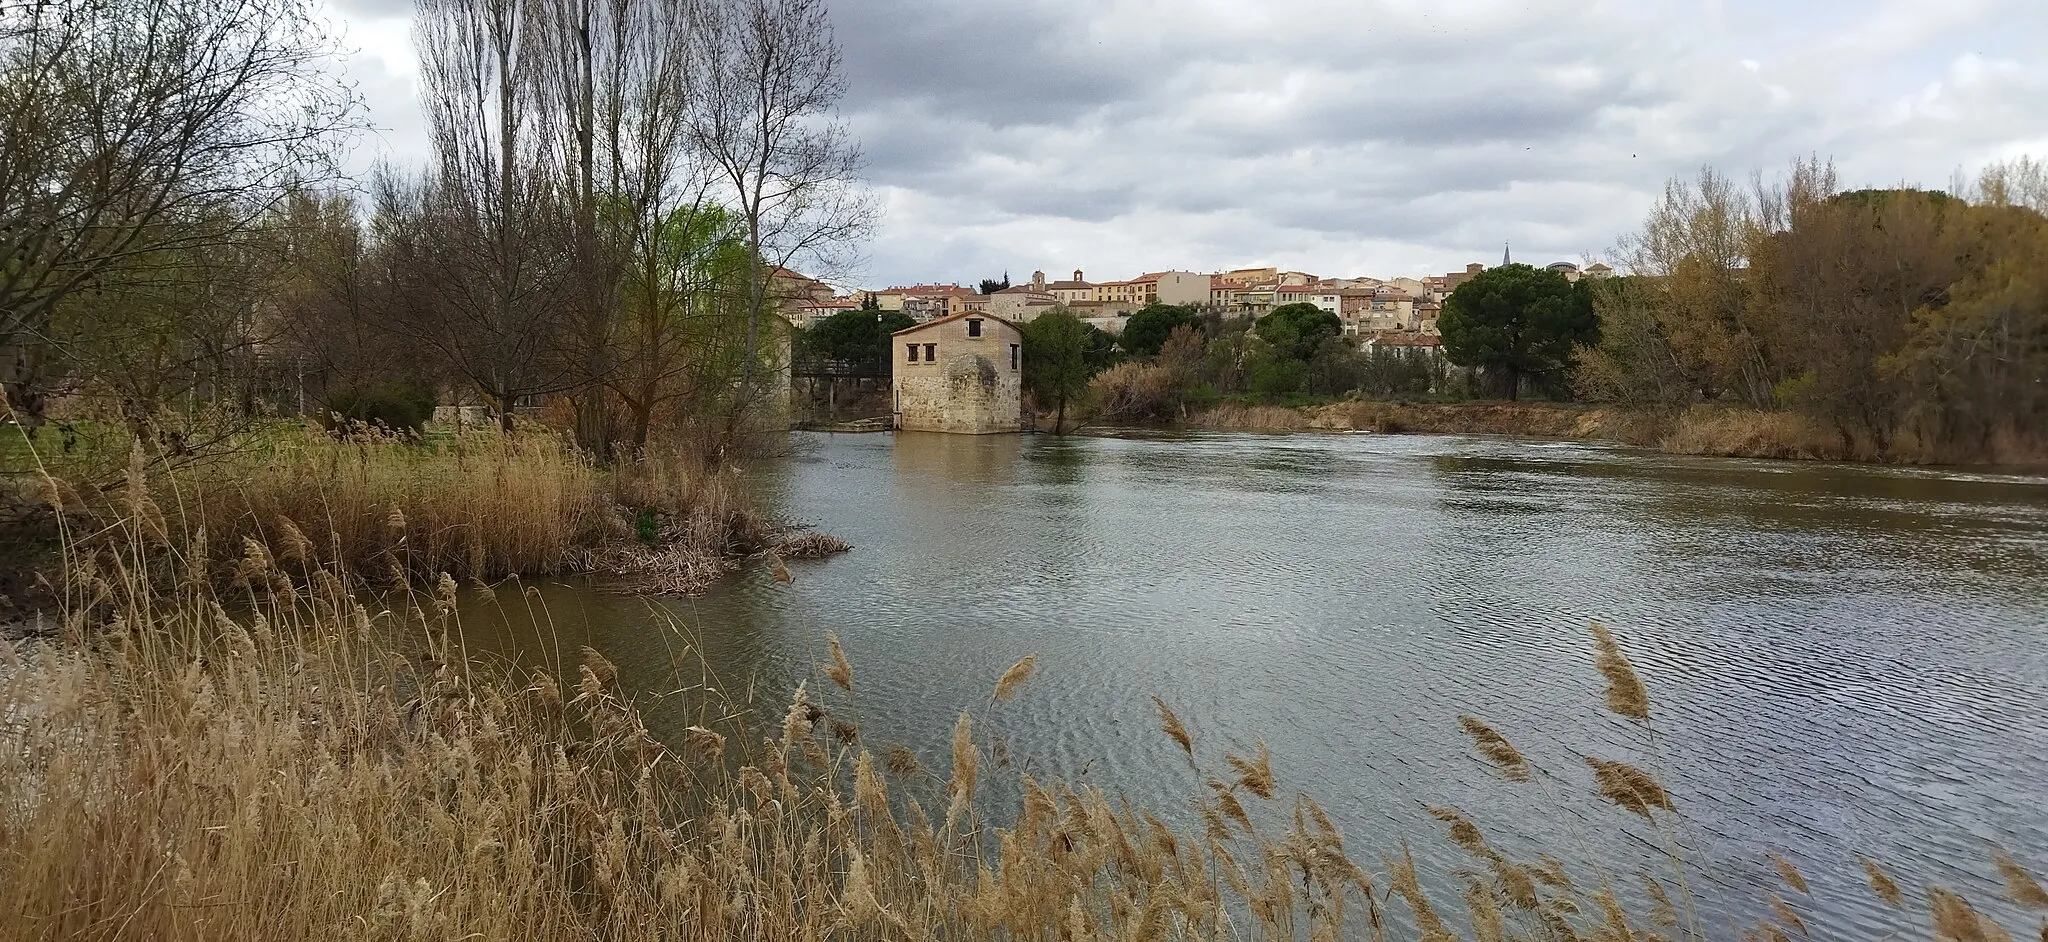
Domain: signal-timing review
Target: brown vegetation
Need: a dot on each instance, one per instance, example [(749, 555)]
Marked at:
[(1748, 433), (1875, 325), (476, 506), (1535, 420), (316, 766)]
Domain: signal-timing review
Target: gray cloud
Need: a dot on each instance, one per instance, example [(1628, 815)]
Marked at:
[(1386, 136)]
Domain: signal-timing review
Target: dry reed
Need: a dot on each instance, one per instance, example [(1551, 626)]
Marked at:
[(1496, 748), (1014, 678), (1790, 874), (1626, 695), (840, 671), (1881, 883), (1629, 787), (1254, 774), (1956, 920), (812, 545), (1786, 915), (2020, 886), (1170, 724), (1743, 433), (302, 767)]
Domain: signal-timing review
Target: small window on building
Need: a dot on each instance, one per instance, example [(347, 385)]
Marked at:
[(911, 348), (931, 352), (1013, 356), (974, 327)]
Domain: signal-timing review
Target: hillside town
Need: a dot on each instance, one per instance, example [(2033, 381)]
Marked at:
[(1393, 312)]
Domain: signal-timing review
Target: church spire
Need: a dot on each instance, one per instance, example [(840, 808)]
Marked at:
[(1505, 259)]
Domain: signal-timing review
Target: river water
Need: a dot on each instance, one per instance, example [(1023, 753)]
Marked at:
[(1843, 660)]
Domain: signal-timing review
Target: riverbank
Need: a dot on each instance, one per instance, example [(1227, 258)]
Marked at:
[(1705, 431), (474, 506), (397, 766), (1533, 420)]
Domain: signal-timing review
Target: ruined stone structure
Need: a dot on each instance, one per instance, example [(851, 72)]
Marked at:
[(962, 373)]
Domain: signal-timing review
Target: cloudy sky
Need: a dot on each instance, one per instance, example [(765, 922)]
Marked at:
[(1345, 137)]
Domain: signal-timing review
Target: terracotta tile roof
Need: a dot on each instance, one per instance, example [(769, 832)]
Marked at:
[(984, 315), (928, 290)]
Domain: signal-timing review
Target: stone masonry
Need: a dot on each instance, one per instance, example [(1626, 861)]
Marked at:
[(961, 374)]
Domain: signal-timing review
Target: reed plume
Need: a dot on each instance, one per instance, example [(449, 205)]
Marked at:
[(1790, 874), (964, 764), (1170, 724), (2020, 886), (296, 546), (1629, 787), (1617, 927), (840, 671), (1255, 775), (1226, 801), (1464, 833), (1015, 677), (1496, 748), (1881, 883), (1955, 920), (708, 744), (902, 762), (1401, 873), (1662, 912), (1626, 695), (1487, 924), (1787, 917), (796, 723), (1513, 880)]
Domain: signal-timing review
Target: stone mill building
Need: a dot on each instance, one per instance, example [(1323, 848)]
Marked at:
[(962, 373)]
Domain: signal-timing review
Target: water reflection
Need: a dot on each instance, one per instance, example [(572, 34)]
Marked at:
[(935, 460), (1843, 659)]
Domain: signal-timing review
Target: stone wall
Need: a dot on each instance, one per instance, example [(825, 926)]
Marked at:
[(973, 385)]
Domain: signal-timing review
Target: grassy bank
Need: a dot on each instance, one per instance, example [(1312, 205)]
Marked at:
[(1714, 431), (1537, 420), (281, 760), (478, 506)]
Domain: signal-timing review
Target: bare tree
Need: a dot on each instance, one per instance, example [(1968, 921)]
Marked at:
[(133, 128), (764, 121), (615, 93), (484, 240)]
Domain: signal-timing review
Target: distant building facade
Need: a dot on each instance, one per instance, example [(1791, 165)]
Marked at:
[(1021, 304), (963, 373)]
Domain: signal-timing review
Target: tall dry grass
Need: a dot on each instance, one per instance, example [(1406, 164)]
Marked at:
[(284, 760), (479, 506), (1747, 433)]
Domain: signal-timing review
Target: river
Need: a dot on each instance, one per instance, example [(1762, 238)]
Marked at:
[(1843, 659)]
